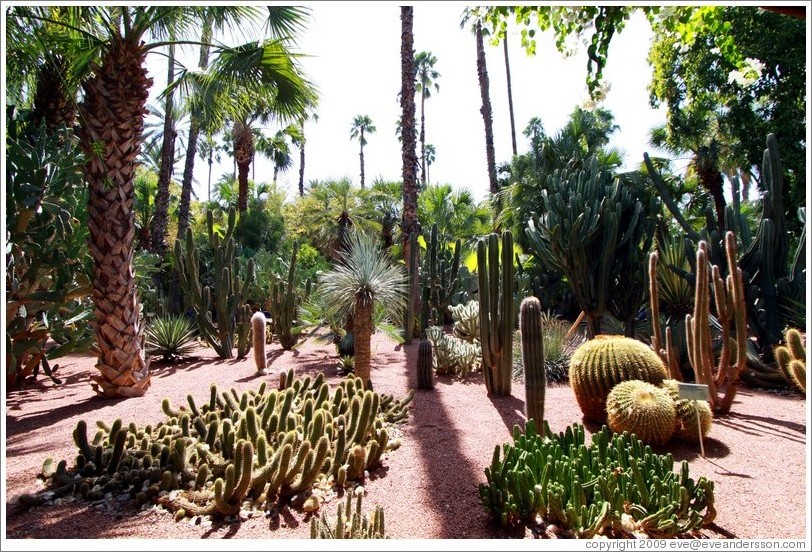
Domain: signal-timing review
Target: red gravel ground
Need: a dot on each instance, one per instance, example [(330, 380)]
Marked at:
[(757, 456)]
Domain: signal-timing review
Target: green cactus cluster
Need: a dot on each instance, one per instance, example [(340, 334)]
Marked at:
[(226, 295), (440, 278), (616, 483), (599, 364), (452, 356), (641, 408), (350, 523), (466, 320), (284, 304), (497, 310), (687, 428), (425, 365), (535, 370), (238, 450), (791, 358)]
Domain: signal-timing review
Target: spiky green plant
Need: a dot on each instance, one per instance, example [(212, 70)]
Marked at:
[(641, 408), (558, 348), (171, 337), (364, 276), (349, 522)]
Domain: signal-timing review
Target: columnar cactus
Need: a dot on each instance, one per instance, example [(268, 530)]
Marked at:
[(425, 370), (350, 523), (535, 371), (440, 276), (643, 409), (226, 295), (258, 324), (497, 315), (601, 363), (284, 302), (791, 358)]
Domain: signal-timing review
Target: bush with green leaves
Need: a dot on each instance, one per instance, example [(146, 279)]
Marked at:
[(170, 337)]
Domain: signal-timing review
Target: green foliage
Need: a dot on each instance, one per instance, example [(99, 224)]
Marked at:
[(47, 276), (601, 363), (285, 300), (171, 337), (255, 449), (350, 523), (643, 409), (616, 486)]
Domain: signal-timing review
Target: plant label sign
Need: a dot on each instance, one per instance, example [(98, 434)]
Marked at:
[(693, 391)]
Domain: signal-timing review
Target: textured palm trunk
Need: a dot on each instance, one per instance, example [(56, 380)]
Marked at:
[(423, 138), (301, 168), (112, 120), (361, 155), (362, 317), (711, 179), (408, 145), (510, 97), (158, 237), (487, 116), (243, 154)]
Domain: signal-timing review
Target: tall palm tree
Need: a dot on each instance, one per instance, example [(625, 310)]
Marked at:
[(509, 95), (426, 76), (361, 126), (111, 59), (407, 140), (431, 155), (300, 142), (341, 208), (277, 148), (209, 151), (366, 275)]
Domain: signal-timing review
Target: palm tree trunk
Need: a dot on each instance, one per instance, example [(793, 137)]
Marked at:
[(275, 173), (208, 197), (510, 97), (362, 317), (361, 155), (711, 179), (409, 217), (243, 153), (194, 133), (112, 115), (482, 72), (423, 138), (158, 239), (301, 167)]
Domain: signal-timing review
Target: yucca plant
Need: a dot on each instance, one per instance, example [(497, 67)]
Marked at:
[(171, 337)]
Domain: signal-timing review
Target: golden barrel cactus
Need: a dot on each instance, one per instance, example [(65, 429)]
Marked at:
[(687, 411), (643, 409), (601, 363)]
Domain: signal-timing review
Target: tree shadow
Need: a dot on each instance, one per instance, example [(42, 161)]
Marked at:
[(510, 409), (24, 424), (751, 424)]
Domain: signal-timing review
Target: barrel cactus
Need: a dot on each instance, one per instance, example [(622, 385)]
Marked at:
[(641, 408), (687, 412), (601, 363)]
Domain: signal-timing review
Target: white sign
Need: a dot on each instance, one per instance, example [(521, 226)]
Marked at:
[(693, 391)]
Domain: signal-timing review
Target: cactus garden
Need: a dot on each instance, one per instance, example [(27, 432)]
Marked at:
[(583, 344)]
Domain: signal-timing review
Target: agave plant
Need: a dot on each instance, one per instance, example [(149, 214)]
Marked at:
[(171, 337)]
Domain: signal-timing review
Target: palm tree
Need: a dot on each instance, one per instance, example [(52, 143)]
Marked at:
[(509, 95), (385, 198), (277, 149), (431, 154), (366, 275), (487, 113), (209, 151), (341, 208), (300, 143), (409, 223), (362, 125), (426, 76), (110, 58), (454, 211)]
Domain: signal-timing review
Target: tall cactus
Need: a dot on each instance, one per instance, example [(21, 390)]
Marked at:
[(729, 301), (535, 372), (225, 296), (258, 324), (497, 312), (440, 276), (284, 300), (425, 370)]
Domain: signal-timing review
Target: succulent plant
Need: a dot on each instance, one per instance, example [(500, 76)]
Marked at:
[(791, 358), (258, 326), (601, 363), (535, 371), (466, 320), (687, 428), (171, 337), (425, 368), (643, 409), (350, 523)]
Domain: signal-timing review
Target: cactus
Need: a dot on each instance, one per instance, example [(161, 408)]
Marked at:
[(791, 359), (729, 302), (350, 523), (687, 428), (258, 324), (452, 356), (425, 370), (589, 490), (497, 315), (664, 350), (227, 294), (466, 320), (284, 301), (409, 318), (601, 363), (643, 409), (440, 277), (535, 371)]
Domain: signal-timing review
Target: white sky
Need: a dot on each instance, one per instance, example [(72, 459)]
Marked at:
[(353, 53)]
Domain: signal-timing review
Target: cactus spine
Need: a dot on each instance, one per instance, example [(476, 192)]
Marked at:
[(535, 372), (496, 311), (425, 371), (225, 297), (283, 305), (258, 325)]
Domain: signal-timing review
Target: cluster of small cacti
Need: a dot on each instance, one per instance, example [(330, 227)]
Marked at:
[(601, 363), (226, 295), (466, 320), (791, 358), (350, 523), (238, 450), (452, 355), (615, 484)]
